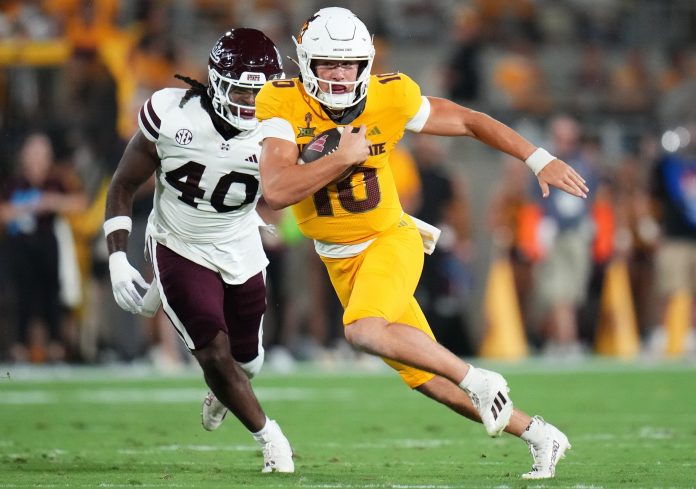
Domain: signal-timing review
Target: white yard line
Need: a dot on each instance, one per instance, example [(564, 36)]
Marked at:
[(10, 374), (160, 395)]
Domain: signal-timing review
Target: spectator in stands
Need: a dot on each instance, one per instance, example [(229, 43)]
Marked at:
[(637, 229), (561, 278), (504, 18), (590, 83), (632, 89), (89, 24), (29, 206), (673, 180), (681, 66), (520, 80), (462, 74), (90, 107)]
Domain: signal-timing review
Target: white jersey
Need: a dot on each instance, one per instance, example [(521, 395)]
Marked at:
[(206, 188)]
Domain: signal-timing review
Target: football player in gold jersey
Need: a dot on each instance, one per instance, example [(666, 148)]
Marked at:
[(372, 250)]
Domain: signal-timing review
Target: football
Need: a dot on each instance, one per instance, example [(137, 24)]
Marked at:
[(324, 144)]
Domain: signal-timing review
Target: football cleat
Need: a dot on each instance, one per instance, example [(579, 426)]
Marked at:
[(547, 451), (277, 453), (213, 412), (489, 394)]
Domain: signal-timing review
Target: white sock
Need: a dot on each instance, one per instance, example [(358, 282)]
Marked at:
[(471, 376), (533, 432), (262, 435)]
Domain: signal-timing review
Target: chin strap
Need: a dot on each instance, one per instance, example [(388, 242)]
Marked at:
[(346, 116)]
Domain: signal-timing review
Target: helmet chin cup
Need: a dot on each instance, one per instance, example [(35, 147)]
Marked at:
[(337, 100)]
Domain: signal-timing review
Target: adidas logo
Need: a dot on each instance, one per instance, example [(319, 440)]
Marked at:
[(252, 159), (498, 402), (374, 132)]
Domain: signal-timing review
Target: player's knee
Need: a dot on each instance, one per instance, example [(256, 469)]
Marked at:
[(362, 334), (215, 354), (252, 368)]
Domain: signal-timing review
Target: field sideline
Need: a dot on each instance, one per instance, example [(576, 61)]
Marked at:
[(631, 425)]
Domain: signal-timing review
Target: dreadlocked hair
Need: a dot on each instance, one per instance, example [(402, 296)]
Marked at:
[(201, 91), (197, 90)]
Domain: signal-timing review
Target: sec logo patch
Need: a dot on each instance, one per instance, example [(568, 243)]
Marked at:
[(183, 137)]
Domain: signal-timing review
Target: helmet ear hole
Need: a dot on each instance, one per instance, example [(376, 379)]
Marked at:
[(361, 67)]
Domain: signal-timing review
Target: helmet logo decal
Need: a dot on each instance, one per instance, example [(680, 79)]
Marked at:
[(216, 52), (252, 77), (183, 137), (304, 27), (307, 131)]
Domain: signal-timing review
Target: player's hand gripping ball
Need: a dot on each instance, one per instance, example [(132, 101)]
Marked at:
[(324, 144)]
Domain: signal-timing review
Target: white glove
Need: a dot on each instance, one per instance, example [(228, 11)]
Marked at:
[(123, 280)]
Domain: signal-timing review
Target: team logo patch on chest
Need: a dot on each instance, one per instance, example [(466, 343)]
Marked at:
[(307, 131), (183, 137)]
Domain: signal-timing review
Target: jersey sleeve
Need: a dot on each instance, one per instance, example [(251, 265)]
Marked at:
[(269, 102), (416, 123), (277, 128), (409, 94), (151, 113)]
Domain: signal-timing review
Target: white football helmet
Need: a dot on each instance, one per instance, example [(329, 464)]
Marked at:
[(335, 33)]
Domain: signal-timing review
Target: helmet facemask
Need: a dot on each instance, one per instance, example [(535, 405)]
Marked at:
[(239, 115)]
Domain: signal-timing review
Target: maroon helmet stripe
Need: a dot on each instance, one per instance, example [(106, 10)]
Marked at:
[(151, 112), (146, 124)]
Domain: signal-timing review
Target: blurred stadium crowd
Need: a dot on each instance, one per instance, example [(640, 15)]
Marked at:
[(607, 85)]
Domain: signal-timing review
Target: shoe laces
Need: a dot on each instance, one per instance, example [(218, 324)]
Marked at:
[(475, 400), (539, 453), (537, 466), (268, 454)]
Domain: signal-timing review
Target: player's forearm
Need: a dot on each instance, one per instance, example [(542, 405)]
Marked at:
[(119, 202), (450, 119), (499, 136), (288, 185)]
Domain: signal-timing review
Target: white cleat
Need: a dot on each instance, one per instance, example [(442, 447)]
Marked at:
[(547, 452), (213, 412), (489, 393), (277, 453)]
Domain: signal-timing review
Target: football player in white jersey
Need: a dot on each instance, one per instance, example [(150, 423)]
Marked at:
[(203, 239)]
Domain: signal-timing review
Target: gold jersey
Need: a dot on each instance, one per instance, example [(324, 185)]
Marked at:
[(356, 209)]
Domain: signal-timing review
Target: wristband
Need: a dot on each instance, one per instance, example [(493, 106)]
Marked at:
[(117, 223), (539, 159)]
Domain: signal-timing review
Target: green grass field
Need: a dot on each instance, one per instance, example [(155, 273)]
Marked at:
[(630, 426)]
